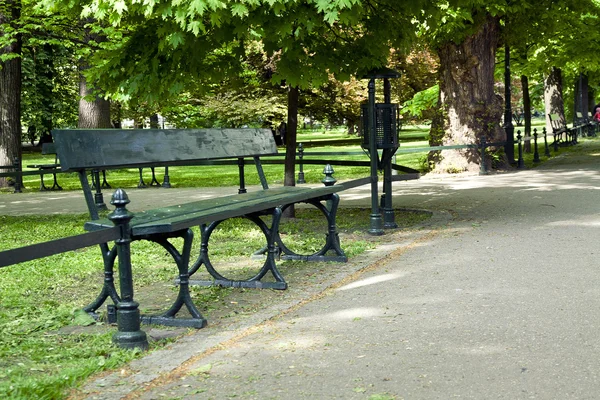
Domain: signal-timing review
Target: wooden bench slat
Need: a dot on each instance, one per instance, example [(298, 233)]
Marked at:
[(115, 148), (174, 218)]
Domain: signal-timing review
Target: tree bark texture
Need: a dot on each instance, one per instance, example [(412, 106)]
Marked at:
[(92, 114), (584, 95), (469, 107), (10, 91), (581, 97), (44, 67), (553, 97)]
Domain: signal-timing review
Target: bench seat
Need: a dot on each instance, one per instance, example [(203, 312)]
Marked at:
[(182, 216)]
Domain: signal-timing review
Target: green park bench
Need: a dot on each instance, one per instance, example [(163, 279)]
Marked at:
[(563, 135), (84, 150)]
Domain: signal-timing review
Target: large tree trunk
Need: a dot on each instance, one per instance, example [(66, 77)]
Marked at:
[(526, 111), (469, 107), (584, 95), (553, 97), (94, 110), (44, 67), (10, 91), (154, 121), (290, 143), (95, 113), (580, 98)]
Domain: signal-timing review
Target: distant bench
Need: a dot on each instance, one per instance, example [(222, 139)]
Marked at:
[(563, 134), (48, 148), (84, 150)]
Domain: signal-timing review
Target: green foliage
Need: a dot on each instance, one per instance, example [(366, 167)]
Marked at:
[(421, 102), (154, 49)]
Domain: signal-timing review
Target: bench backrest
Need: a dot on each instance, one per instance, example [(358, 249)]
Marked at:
[(80, 149), (48, 148), (556, 122)]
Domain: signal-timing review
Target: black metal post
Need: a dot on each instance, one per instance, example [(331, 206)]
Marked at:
[(509, 147), (376, 221), (129, 334), (482, 166), (520, 162), (166, 180), (18, 177), (98, 197), (546, 146), (536, 153), (300, 164), (242, 174), (389, 219)]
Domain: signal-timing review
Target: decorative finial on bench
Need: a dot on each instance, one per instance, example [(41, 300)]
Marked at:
[(329, 180), (120, 200)]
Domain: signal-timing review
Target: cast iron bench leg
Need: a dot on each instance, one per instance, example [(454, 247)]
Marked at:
[(154, 182), (108, 287), (268, 266), (105, 184), (55, 186), (183, 297), (332, 240), (141, 183), (43, 186)]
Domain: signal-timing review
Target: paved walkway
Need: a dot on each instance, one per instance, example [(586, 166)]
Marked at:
[(498, 299)]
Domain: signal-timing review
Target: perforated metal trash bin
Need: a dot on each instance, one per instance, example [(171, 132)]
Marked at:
[(387, 125)]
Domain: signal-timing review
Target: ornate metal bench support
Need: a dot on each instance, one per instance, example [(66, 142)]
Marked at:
[(332, 240), (268, 266), (108, 287), (129, 334), (183, 297)]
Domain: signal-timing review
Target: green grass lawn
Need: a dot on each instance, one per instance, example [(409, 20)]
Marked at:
[(411, 136)]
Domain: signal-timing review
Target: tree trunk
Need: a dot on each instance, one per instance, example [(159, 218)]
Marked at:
[(154, 121), (526, 111), (290, 143), (469, 107), (95, 113), (553, 98), (45, 67), (584, 96), (351, 124), (116, 118), (10, 92)]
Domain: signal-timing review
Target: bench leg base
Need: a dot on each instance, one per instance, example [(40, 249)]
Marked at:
[(197, 323), (240, 284)]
